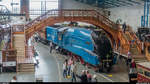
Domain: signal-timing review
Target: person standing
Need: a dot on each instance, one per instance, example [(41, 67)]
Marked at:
[(50, 46), (73, 71), (69, 65), (133, 66), (89, 76), (129, 58), (14, 79), (57, 48), (132, 42), (124, 27), (142, 47), (65, 68), (94, 78)]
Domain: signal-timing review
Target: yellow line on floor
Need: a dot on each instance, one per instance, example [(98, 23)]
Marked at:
[(105, 77)]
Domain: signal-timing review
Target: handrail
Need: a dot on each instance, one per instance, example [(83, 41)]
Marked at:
[(124, 42), (91, 14), (73, 13), (107, 20), (146, 50), (133, 36)]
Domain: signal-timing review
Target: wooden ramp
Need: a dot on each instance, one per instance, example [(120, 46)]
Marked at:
[(19, 45), (147, 50), (24, 63), (27, 64), (25, 67), (139, 58), (2, 43), (135, 48)]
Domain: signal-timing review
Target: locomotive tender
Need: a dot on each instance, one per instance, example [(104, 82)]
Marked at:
[(93, 49)]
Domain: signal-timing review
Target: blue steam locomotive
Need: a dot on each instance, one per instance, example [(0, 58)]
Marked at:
[(86, 43)]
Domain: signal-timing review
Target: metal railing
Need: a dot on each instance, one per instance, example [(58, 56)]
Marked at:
[(133, 36), (125, 43)]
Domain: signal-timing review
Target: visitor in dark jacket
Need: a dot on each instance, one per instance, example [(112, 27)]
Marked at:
[(83, 76), (89, 76), (124, 27)]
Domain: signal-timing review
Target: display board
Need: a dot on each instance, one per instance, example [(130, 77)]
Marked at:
[(10, 63)]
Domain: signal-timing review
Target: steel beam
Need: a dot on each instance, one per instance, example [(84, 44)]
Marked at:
[(116, 2), (91, 2), (12, 14), (121, 3), (144, 12), (107, 4), (124, 1), (24, 5), (147, 13), (111, 3), (134, 2)]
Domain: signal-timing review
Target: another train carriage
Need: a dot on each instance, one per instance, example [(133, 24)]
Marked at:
[(143, 72), (84, 43)]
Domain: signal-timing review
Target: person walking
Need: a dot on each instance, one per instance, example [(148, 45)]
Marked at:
[(14, 79), (73, 71), (124, 27), (89, 76), (132, 42), (83, 77), (69, 65), (133, 66), (65, 68), (143, 48), (129, 58), (50, 46), (94, 78)]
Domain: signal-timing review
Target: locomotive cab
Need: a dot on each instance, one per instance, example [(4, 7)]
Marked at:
[(102, 47)]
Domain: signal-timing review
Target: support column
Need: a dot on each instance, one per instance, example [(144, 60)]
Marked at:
[(24, 8), (60, 4)]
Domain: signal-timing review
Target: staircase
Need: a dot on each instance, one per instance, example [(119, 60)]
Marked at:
[(139, 58), (133, 48), (23, 64), (136, 55), (2, 44), (26, 67), (147, 50), (19, 45)]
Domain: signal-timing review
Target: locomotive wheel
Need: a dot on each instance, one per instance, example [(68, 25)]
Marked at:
[(108, 70), (101, 69), (105, 69)]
